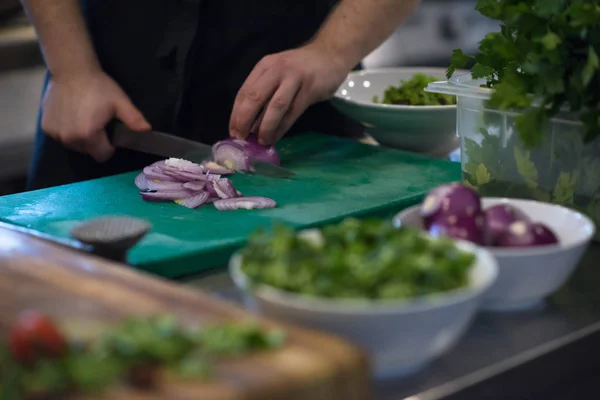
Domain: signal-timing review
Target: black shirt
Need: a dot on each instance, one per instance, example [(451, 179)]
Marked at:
[(182, 62)]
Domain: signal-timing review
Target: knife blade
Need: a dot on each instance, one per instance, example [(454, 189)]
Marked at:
[(167, 145)]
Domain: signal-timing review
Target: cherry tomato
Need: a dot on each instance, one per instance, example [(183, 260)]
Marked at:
[(34, 335)]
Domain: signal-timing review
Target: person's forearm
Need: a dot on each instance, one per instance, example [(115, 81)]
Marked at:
[(357, 27), (63, 36)]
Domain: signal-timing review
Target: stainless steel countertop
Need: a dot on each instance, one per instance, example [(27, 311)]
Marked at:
[(494, 342)]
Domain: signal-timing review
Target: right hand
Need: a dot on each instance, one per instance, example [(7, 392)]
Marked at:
[(77, 108)]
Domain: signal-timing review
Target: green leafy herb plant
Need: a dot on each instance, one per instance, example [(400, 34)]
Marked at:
[(539, 134)]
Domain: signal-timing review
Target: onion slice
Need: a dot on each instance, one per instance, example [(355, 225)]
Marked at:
[(166, 195), (231, 155), (141, 181), (165, 186), (212, 167), (194, 201), (224, 189), (248, 203), (154, 172), (195, 185)]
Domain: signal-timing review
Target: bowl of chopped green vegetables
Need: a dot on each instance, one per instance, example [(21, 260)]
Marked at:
[(394, 108), (404, 297)]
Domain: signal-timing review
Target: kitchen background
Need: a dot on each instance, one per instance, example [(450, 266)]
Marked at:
[(426, 39)]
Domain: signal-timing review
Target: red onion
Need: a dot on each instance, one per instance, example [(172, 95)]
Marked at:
[(248, 203), (470, 228), (235, 154), (524, 234), (266, 154), (499, 217), (450, 200), (194, 201), (231, 155)]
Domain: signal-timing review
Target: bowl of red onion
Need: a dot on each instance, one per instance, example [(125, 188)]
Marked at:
[(537, 245)]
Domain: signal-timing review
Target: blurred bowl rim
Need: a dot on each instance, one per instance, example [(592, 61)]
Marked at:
[(413, 70), (529, 251), (485, 261)]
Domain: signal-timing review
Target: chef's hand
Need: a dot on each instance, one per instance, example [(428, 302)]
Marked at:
[(283, 86), (76, 109)]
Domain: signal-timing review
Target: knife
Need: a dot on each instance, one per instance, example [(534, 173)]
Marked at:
[(166, 145)]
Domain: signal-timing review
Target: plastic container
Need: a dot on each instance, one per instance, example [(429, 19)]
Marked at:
[(562, 170)]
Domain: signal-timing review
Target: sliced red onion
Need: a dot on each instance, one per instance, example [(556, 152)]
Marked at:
[(154, 172), (180, 164), (195, 185), (183, 175), (212, 177), (166, 195), (248, 203), (239, 194), (165, 186), (231, 155), (210, 188), (212, 167), (141, 181), (193, 201), (224, 189)]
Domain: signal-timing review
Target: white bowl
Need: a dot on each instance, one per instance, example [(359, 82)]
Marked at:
[(527, 276), (422, 129), (400, 336)]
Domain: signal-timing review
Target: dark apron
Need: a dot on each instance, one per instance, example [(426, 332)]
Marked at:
[(182, 62)]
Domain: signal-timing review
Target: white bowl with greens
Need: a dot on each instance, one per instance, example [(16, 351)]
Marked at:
[(403, 297), (394, 108)]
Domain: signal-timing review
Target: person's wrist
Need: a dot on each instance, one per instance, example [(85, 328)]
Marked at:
[(76, 72), (342, 59)]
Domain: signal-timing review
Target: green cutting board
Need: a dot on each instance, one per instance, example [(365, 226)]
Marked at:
[(336, 178)]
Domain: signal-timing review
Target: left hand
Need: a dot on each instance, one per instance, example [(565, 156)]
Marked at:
[(283, 86)]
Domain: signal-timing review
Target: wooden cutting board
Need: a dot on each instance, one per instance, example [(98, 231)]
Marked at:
[(80, 290), (336, 178)]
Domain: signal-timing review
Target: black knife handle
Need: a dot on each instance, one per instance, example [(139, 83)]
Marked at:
[(111, 237), (110, 129)]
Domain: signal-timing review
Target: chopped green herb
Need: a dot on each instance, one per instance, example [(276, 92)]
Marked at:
[(412, 93), (356, 260)]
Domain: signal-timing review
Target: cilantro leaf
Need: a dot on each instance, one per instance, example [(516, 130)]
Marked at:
[(547, 8), (489, 8), (457, 60), (482, 175), (481, 71), (526, 167), (564, 190), (550, 40)]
